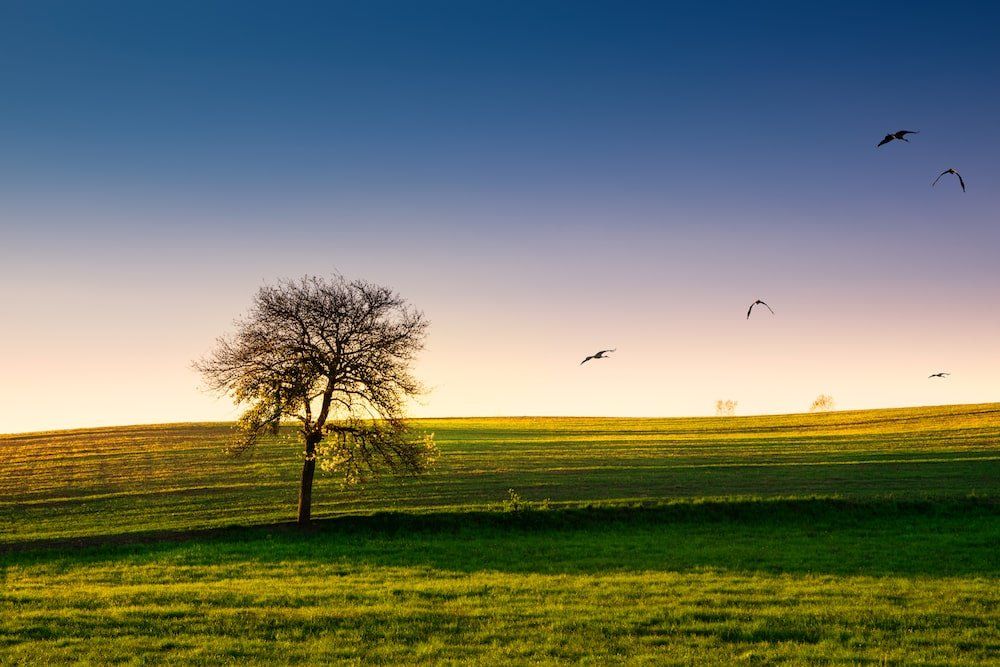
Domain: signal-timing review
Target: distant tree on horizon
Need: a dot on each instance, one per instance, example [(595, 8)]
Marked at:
[(822, 403), (334, 356), (725, 408)]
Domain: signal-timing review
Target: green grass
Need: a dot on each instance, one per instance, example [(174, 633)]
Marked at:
[(846, 538), (91, 482)]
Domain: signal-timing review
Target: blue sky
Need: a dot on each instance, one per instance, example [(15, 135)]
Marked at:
[(550, 176)]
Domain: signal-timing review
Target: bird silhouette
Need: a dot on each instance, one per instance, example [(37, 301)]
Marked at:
[(938, 375), (599, 355), (901, 135), (750, 309), (961, 181)]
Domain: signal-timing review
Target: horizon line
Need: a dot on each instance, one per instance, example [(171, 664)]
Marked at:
[(107, 427)]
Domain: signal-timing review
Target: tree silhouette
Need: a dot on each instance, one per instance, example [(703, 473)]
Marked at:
[(334, 356), (725, 408), (822, 403)]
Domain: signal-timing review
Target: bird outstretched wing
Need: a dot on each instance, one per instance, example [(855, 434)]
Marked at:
[(886, 140), (768, 307), (902, 133), (750, 309), (939, 177), (961, 181), (597, 355)]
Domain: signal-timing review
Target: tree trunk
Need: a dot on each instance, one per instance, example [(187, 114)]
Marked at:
[(306, 486)]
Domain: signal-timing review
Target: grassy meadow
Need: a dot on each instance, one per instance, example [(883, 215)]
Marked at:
[(868, 537)]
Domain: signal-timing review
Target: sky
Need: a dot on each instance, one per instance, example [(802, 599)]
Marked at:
[(541, 179)]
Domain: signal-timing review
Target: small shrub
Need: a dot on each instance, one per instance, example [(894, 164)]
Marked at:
[(515, 503)]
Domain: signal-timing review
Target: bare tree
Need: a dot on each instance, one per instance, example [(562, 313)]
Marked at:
[(725, 408), (822, 403), (335, 357)]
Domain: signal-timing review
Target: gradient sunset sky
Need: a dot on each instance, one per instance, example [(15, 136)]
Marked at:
[(542, 179)]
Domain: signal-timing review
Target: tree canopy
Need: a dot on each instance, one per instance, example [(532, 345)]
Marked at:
[(334, 357)]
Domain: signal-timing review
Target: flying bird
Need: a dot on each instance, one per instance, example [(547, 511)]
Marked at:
[(938, 375), (599, 355), (901, 135), (950, 171), (750, 309)]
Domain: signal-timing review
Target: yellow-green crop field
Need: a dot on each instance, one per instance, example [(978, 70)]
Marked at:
[(867, 537)]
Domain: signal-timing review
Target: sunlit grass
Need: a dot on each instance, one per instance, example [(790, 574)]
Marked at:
[(848, 538), (177, 476)]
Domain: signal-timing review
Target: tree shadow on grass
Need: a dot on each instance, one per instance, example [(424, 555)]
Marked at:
[(874, 537)]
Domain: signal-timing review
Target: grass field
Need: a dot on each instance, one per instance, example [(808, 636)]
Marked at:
[(846, 538)]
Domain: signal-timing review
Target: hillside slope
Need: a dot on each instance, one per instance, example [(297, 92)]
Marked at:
[(140, 478)]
